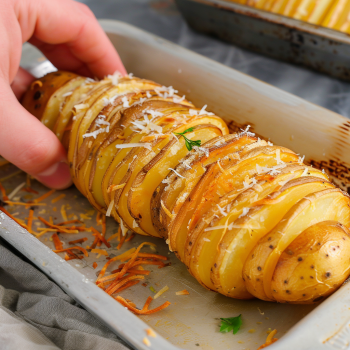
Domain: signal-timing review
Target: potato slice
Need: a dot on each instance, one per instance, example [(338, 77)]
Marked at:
[(314, 265), (234, 179), (330, 204), (105, 153), (36, 99), (179, 228), (147, 180), (238, 242), (127, 172), (53, 105), (174, 191), (74, 137), (205, 246), (66, 114)]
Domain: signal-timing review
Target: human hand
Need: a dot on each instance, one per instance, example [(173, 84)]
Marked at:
[(69, 35)]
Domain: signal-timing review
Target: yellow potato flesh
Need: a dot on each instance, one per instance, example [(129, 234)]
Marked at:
[(53, 106), (175, 196), (337, 15), (313, 265), (313, 11), (237, 243), (73, 141), (108, 159), (67, 111), (140, 197), (279, 6), (206, 245), (291, 7), (330, 206), (231, 180), (143, 158)]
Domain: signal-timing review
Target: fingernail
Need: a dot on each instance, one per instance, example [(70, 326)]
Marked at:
[(56, 176)]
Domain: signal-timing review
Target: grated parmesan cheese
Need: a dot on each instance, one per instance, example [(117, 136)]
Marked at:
[(125, 102), (81, 106), (222, 211), (244, 212), (278, 157), (176, 172), (110, 207), (131, 145), (202, 149), (123, 228), (301, 159), (163, 290), (246, 132), (305, 172), (193, 112), (204, 112), (96, 132), (215, 228), (114, 77), (67, 94), (206, 240), (148, 94), (178, 100)]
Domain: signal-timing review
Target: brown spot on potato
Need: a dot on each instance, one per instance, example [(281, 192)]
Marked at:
[(301, 277), (259, 268), (312, 266), (300, 258), (285, 282), (37, 95), (271, 246), (328, 274)]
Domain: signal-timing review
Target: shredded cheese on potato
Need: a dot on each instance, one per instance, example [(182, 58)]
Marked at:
[(131, 145)]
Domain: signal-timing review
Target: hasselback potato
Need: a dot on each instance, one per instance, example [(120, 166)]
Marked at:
[(246, 217)]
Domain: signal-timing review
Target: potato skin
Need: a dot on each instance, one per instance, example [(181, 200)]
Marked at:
[(38, 95), (314, 265)]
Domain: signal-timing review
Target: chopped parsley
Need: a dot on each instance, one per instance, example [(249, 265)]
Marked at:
[(189, 143), (231, 324)]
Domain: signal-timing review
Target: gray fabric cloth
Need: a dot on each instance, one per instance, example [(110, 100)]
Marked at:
[(36, 314)]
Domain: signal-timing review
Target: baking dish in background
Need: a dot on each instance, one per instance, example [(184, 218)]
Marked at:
[(191, 322), (287, 39)]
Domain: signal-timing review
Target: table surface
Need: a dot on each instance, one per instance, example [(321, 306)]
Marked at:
[(162, 18)]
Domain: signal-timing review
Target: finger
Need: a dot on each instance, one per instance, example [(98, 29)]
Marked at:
[(71, 23), (21, 82), (64, 59), (28, 144)]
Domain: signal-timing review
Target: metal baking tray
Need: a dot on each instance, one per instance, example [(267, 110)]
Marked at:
[(287, 39), (192, 321)]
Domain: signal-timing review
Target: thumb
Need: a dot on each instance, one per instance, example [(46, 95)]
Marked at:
[(30, 145)]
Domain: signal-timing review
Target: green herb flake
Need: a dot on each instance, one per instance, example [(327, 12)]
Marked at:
[(231, 324), (152, 289), (189, 143)]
